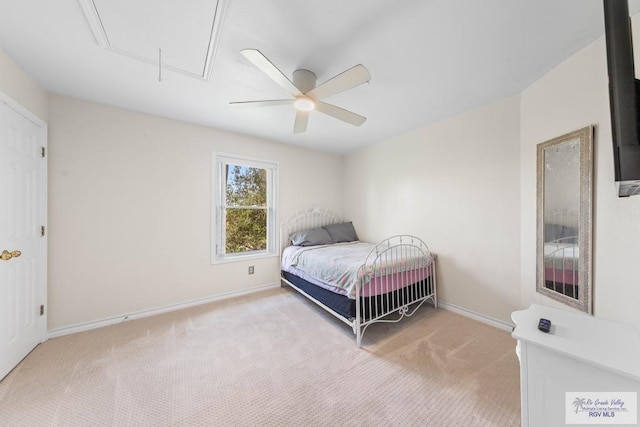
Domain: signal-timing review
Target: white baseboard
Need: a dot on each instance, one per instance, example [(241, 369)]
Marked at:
[(506, 326), (81, 327)]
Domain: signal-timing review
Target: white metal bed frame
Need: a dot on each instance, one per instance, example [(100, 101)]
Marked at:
[(566, 255), (407, 250)]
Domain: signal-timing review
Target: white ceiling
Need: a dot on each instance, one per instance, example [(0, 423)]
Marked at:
[(429, 59)]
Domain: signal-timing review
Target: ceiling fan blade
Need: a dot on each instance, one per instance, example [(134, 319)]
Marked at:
[(268, 103), (340, 113), (302, 118), (349, 79), (259, 60)]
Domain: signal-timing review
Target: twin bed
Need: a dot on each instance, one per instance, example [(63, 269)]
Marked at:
[(359, 283)]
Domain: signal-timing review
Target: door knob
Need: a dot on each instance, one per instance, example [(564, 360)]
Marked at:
[(6, 255)]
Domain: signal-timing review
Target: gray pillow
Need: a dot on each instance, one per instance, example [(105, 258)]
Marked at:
[(342, 232), (312, 237)]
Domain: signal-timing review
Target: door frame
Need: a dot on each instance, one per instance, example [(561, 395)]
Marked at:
[(42, 285)]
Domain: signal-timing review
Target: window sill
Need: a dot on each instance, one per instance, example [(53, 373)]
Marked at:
[(241, 258)]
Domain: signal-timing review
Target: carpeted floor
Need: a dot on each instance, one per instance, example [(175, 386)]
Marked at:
[(273, 359)]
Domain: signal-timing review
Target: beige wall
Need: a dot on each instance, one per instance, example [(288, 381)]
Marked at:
[(130, 205), (16, 84), (574, 95), (456, 185)]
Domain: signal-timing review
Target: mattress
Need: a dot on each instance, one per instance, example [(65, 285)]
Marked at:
[(369, 306), (561, 276), (337, 268)]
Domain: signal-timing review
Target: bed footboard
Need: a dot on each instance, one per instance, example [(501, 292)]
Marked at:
[(398, 276)]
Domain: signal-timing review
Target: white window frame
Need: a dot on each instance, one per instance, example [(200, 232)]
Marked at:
[(218, 206)]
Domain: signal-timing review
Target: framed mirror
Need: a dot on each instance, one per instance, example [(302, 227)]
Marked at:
[(564, 190)]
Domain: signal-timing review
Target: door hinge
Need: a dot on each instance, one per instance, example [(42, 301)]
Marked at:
[(44, 151), (42, 310), (42, 231)]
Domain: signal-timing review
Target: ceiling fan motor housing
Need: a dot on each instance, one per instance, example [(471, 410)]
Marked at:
[(304, 80)]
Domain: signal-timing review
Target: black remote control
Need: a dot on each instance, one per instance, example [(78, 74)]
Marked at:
[(544, 325)]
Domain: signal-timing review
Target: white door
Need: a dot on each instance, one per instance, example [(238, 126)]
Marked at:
[(22, 248)]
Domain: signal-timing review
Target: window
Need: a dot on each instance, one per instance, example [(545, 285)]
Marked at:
[(244, 207)]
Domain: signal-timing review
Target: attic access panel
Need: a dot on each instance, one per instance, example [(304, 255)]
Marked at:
[(186, 31)]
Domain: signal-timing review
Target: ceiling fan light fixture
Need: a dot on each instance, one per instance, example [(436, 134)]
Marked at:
[(302, 103)]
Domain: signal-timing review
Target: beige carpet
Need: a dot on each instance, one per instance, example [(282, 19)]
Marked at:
[(273, 359)]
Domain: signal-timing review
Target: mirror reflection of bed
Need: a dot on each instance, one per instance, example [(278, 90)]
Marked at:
[(561, 204), (561, 253)]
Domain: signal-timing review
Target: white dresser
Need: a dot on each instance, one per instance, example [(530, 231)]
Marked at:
[(580, 354)]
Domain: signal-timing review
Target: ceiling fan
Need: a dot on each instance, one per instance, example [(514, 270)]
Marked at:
[(306, 95)]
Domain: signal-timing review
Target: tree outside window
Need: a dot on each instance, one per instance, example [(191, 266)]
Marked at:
[(246, 209)]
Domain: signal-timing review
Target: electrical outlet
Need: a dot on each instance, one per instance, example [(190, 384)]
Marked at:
[(251, 270)]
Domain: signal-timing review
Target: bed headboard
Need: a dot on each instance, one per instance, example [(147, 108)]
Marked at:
[(312, 218)]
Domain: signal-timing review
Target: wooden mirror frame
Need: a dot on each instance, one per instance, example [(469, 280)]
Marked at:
[(584, 137)]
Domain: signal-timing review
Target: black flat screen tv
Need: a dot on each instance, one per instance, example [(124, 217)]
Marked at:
[(624, 96)]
